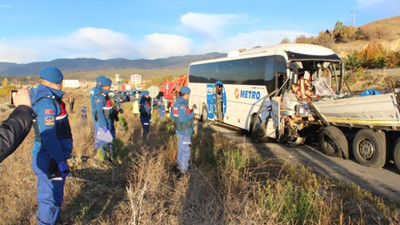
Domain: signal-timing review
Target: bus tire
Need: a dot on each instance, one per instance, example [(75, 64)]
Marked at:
[(333, 142), (369, 148), (204, 115), (257, 130), (396, 154)]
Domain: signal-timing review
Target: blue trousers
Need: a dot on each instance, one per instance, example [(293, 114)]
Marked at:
[(50, 193), (146, 127), (96, 128), (161, 111), (183, 156)]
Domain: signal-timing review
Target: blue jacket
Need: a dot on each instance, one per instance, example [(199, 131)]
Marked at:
[(95, 91), (104, 109), (52, 129), (182, 117), (160, 105), (145, 108)]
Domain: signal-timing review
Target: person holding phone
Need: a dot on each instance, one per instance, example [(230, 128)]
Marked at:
[(16, 127)]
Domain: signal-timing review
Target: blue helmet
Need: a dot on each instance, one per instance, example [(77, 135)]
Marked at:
[(51, 74), (98, 79), (104, 81), (184, 90), (145, 93)]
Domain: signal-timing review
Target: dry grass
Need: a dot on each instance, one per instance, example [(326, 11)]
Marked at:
[(226, 184)]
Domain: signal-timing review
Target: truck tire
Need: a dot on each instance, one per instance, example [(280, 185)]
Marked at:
[(369, 148), (204, 115), (396, 154), (333, 142)]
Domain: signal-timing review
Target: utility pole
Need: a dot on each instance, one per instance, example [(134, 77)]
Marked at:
[(354, 12)]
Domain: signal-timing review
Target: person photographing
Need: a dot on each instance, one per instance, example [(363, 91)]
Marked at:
[(16, 127)]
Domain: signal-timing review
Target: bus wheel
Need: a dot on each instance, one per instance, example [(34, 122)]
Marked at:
[(369, 148), (333, 142), (204, 115), (396, 154), (257, 130)]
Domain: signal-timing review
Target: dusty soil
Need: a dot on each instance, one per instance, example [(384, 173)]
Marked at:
[(381, 182)]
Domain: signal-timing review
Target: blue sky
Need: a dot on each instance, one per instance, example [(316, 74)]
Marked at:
[(43, 30)]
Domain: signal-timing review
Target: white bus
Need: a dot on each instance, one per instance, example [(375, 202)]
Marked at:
[(232, 89)]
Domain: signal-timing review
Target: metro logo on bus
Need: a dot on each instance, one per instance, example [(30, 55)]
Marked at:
[(247, 94), (236, 93)]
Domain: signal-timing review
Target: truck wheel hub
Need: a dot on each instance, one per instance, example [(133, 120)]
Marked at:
[(366, 149)]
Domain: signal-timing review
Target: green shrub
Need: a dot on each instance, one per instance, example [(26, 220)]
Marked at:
[(353, 61), (119, 149)]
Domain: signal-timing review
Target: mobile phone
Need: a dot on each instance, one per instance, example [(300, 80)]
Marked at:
[(11, 96)]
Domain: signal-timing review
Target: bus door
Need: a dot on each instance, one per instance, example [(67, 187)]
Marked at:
[(210, 101), (219, 101)]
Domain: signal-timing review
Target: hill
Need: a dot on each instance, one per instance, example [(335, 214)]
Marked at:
[(90, 64), (387, 32)]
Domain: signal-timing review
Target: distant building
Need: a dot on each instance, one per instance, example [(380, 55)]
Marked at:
[(71, 83)]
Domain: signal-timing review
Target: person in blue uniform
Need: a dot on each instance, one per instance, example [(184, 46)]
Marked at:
[(183, 118), (96, 90), (105, 114), (52, 145), (160, 106), (83, 114), (145, 113)]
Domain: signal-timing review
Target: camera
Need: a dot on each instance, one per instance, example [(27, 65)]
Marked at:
[(11, 96)]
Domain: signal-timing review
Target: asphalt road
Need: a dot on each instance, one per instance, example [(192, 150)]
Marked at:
[(383, 182)]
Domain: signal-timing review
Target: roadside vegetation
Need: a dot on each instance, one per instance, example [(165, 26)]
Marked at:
[(227, 183)]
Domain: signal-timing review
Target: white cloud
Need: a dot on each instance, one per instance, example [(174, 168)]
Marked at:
[(102, 43), (17, 52), (96, 42), (164, 45), (250, 40), (86, 42), (208, 25)]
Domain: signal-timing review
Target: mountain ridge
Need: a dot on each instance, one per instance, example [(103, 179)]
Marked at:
[(89, 64)]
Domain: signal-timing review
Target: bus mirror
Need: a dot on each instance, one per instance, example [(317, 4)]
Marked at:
[(294, 68), (295, 78)]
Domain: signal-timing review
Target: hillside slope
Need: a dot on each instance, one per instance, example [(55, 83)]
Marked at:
[(390, 27)]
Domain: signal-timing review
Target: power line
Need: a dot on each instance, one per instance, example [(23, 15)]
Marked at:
[(354, 12)]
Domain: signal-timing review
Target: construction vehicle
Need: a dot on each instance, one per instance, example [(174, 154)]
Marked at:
[(170, 89)]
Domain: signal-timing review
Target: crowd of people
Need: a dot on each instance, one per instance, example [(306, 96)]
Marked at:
[(43, 109)]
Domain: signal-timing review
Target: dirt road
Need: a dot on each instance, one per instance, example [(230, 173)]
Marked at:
[(382, 182)]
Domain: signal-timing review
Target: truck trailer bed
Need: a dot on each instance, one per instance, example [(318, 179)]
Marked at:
[(374, 111)]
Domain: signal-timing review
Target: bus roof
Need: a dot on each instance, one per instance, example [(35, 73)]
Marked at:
[(290, 51)]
